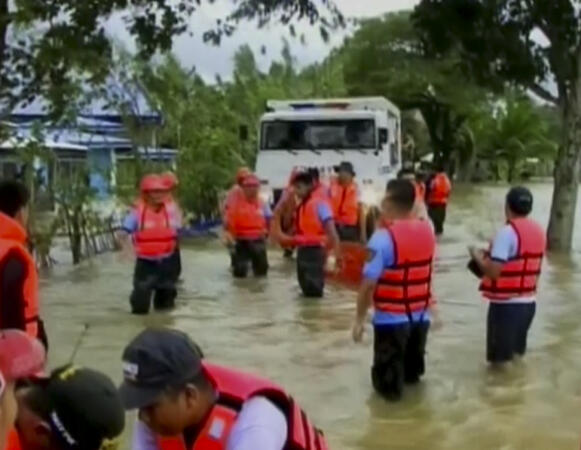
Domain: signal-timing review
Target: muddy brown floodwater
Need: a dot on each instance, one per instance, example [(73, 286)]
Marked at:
[(266, 327)]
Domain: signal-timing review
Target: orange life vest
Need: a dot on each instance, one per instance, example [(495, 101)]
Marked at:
[(440, 188), (234, 389), (345, 203), (155, 235), (310, 232), (519, 276), (13, 238), (13, 442), (406, 287), (245, 218)]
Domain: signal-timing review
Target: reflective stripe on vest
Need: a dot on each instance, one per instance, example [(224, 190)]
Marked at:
[(406, 287), (519, 276), (246, 219), (345, 203), (440, 188), (9, 243), (234, 389), (309, 229), (155, 236)]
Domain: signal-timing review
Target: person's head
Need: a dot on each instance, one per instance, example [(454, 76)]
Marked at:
[(399, 199), (154, 190), (242, 173), (21, 356), (14, 198), (74, 409), (164, 379), (406, 174), (303, 184), (315, 175), (345, 172), (250, 187), (519, 202), (440, 168)]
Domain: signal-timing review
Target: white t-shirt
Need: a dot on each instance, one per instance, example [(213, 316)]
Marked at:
[(259, 426), (505, 247)]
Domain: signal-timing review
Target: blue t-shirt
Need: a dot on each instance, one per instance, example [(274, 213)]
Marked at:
[(381, 246), (504, 245)]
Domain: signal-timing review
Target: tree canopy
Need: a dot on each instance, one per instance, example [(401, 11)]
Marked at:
[(535, 44), (53, 47)]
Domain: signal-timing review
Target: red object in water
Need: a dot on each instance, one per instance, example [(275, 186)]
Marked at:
[(353, 257)]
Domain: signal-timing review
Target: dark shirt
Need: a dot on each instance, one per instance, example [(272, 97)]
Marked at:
[(13, 274)]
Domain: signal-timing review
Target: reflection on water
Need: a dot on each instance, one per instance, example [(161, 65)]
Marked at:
[(266, 327)]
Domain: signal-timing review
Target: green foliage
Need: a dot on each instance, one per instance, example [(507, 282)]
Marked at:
[(68, 46), (386, 57)]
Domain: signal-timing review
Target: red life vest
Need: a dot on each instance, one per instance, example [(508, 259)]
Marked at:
[(13, 441), (245, 218), (155, 236), (406, 287), (234, 389), (519, 276), (310, 232), (13, 238), (345, 203), (440, 189)]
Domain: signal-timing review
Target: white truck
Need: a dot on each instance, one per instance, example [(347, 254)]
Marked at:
[(365, 131)]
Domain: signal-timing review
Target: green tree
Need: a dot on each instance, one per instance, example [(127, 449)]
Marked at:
[(386, 56), (68, 46), (497, 43)]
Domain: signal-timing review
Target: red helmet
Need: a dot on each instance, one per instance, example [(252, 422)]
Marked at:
[(170, 180), (152, 182), (242, 173), (251, 181), (21, 355)]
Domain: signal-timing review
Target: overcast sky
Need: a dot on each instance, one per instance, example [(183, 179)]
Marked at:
[(210, 60)]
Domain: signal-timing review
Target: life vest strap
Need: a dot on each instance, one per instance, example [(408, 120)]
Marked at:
[(402, 282), (410, 300), (410, 265)]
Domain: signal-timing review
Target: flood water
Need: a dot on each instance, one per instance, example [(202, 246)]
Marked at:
[(265, 327)]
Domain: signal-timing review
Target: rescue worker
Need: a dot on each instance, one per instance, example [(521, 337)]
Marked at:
[(233, 193), (247, 222), (155, 239), (74, 409), (348, 209), (314, 231), (185, 402), (171, 184), (510, 274), (397, 280), (420, 210), (21, 356), (438, 189), (284, 214), (19, 305), (235, 190)]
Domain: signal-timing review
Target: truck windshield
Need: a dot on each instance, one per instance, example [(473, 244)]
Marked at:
[(318, 135)]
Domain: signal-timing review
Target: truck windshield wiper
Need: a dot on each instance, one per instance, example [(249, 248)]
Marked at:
[(291, 151), (341, 152), (360, 150), (312, 148)]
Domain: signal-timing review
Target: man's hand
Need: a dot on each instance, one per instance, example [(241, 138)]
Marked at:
[(358, 330), (476, 253)]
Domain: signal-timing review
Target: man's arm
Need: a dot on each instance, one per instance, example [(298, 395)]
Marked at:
[(333, 238), (13, 273), (490, 267), (260, 426), (362, 222), (503, 248)]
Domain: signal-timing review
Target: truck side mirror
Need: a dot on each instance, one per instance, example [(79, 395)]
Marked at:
[(383, 136), (243, 133)]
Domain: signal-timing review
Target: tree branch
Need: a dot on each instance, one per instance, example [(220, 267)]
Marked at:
[(544, 94)]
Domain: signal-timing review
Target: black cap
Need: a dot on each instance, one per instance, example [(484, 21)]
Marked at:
[(520, 200), (86, 409), (305, 177), (345, 166), (157, 359)]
